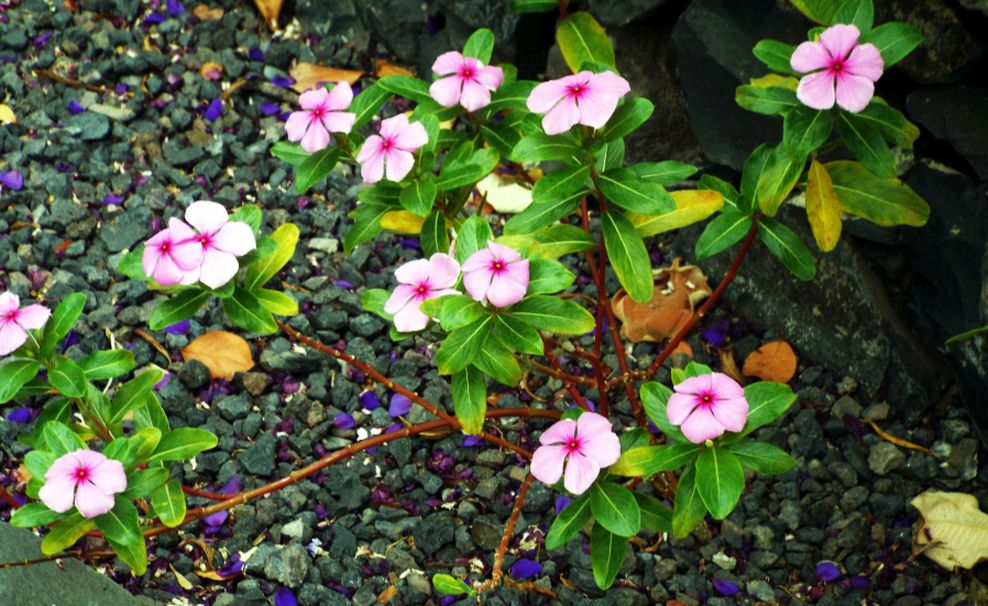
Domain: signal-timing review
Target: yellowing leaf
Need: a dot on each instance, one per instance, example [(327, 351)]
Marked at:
[(223, 353), (310, 75), (204, 13), (402, 222), (775, 361), (183, 582), (505, 195), (692, 205), (953, 531), (7, 115), (384, 68), (822, 207), (581, 38), (770, 80), (269, 9)]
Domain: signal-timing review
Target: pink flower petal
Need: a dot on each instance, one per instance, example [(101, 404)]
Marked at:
[(477, 283), (411, 138), (474, 96), (33, 316), (398, 164), (581, 471), (505, 253), (64, 467), (109, 476), (166, 272), (547, 463), (370, 148), (854, 92), (701, 426), (519, 272), (9, 302), (724, 387), (297, 124), (180, 231), (400, 296), (679, 407), (58, 493), (339, 122), (490, 76), (187, 255), (839, 40), (443, 270), (236, 238), (393, 125), (316, 138), (414, 272), (608, 83), (695, 385), (446, 91), (504, 291), (448, 63), (560, 431), (481, 259), (591, 424), (217, 268), (340, 97), (561, 118), (311, 99), (808, 57), (545, 96), (603, 448), (816, 90), (372, 169), (865, 60), (208, 217), (596, 110), (410, 318), (91, 501), (732, 414)]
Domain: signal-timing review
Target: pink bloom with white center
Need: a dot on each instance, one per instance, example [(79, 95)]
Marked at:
[(15, 321), (583, 98), (497, 274), (172, 253), (83, 478), (842, 70), (585, 446), (390, 152), (421, 280), (707, 405), (464, 80), (322, 113), (222, 242)]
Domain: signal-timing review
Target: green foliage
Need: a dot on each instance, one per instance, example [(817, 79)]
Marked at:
[(788, 248), (628, 256), (607, 551), (569, 522), (615, 508), (470, 399), (582, 40)]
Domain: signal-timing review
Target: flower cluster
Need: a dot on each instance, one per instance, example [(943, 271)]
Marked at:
[(15, 321), (180, 254)]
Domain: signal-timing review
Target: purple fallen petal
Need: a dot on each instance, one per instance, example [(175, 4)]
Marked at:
[(725, 588), (471, 441), (524, 568), (282, 81), (232, 486), (715, 336), (400, 405), (827, 571), (12, 179), (562, 502), (175, 8), (178, 328), (344, 421), (369, 400), (859, 582), (255, 54), (394, 427), (112, 200), (164, 381), (75, 107), (20, 415), (217, 519), (121, 89), (214, 111), (270, 109), (155, 18)]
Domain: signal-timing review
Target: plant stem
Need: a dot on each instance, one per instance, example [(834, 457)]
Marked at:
[(573, 391), (497, 575)]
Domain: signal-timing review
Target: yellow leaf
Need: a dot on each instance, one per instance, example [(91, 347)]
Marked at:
[(211, 70), (505, 195), (953, 531), (692, 205), (269, 9), (402, 222), (310, 75), (7, 115), (822, 207), (384, 68), (769, 80), (223, 353), (182, 581)]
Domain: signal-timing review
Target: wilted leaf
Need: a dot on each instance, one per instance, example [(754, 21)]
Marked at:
[(204, 13), (387, 595), (384, 68), (269, 9), (211, 71), (7, 115), (692, 206), (775, 361), (504, 195), (953, 530), (402, 222), (729, 366), (678, 289), (310, 75), (223, 353), (822, 207)]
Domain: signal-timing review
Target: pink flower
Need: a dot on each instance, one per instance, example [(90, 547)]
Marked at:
[(497, 274), (172, 253), (421, 280), (464, 80), (391, 151), (706, 405), (583, 98), (838, 62), (222, 242), (15, 321), (321, 114), (83, 478), (586, 446)]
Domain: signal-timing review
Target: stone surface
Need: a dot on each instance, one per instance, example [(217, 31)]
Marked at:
[(949, 42), (955, 115), (73, 584)]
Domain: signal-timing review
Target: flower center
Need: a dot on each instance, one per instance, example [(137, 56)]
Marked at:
[(206, 240), (573, 445), (387, 143), (166, 247), (11, 315), (498, 265), (422, 290), (81, 474), (705, 399), (837, 66), (318, 112), (577, 90), (467, 73)]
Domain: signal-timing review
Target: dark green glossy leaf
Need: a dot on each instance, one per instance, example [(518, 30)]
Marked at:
[(788, 248), (553, 314), (719, 480), (470, 399), (628, 256)]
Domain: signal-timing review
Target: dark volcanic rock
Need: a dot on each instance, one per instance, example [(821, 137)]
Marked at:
[(949, 45), (956, 115)]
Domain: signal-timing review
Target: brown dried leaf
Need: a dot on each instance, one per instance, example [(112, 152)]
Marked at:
[(730, 366), (384, 68), (678, 288), (953, 530), (204, 13), (269, 9), (310, 75), (211, 71), (387, 595), (775, 361), (223, 353)]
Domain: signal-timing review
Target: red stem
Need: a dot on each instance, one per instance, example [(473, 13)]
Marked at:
[(577, 396)]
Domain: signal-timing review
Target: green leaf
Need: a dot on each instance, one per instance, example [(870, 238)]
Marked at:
[(57, 409), (723, 232), (582, 39), (607, 551), (473, 234), (460, 176), (169, 503), (820, 11), (777, 178), (408, 87), (418, 196), (624, 188), (315, 168), (647, 461), (132, 394), (366, 225), (546, 312), (458, 311), (806, 129), (762, 457), (890, 123), (720, 186), (517, 335), (134, 554), (534, 6), (121, 523), (480, 44), (65, 533), (107, 364), (788, 248), (131, 265), (656, 515), (511, 96), (461, 347), (769, 100), (434, 237), (719, 480), (967, 334), (696, 369), (560, 184), (499, 364), (666, 172), (860, 13), (504, 138), (144, 441), (867, 145), (775, 55), (60, 439), (182, 444), (32, 515), (286, 238), (610, 156), (615, 508), (61, 321), (548, 276), (551, 242), (143, 482), (688, 510), (152, 415), (568, 523), (632, 114), (276, 302), (246, 311), (291, 153), (37, 462), (628, 256), (655, 398), (542, 214), (449, 585), (67, 377), (767, 402), (540, 147), (180, 307), (894, 41), (470, 399), (382, 193)]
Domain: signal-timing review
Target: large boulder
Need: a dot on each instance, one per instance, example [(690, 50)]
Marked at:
[(955, 115)]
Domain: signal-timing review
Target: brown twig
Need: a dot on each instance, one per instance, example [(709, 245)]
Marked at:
[(573, 391), (562, 375), (50, 75), (497, 574)]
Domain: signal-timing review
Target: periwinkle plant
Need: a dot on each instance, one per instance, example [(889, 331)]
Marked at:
[(494, 303)]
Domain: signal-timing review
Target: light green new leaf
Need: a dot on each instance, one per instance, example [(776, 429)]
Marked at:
[(581, 39), (469, 392), (552, 314), (762, 457), (169, 503)]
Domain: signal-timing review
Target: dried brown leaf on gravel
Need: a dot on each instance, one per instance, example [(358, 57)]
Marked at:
[(223, 353), (953, 530), (310, 75)]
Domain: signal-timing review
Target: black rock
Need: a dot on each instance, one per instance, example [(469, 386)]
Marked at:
[(433, 532), (955, 114), (259, 458)]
